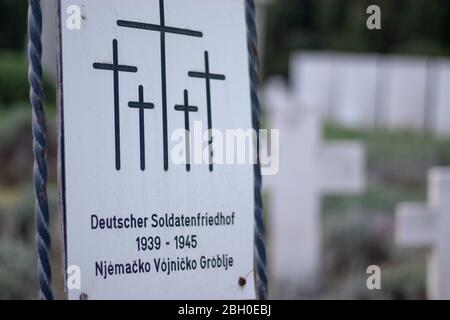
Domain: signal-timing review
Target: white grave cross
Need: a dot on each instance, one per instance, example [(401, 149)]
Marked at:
[(309, 168), (354, 86), (312, 79), (428, 226), (404, 100), (441, 108)]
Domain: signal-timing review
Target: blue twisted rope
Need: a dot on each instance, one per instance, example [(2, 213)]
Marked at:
[(260, 249), (39, 148)]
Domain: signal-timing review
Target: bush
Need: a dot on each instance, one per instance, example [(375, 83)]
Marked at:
[(408, 26), (17, 270), (14, 80), (18, 255), (16, 157), (13, 24)]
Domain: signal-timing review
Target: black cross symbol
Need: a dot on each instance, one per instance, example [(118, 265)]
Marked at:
[(116, 68), (162, 29), (141, 105), (187, 108), (208, 77)]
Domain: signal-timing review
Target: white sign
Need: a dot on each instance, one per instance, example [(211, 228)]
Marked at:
[(139, 223)]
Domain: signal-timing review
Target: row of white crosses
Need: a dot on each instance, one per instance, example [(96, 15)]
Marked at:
[(427, 226), (369, 90), (308, 169)]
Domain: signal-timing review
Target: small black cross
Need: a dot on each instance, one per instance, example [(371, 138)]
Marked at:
[(141, 105), (186, 108), (116, 68), (208, 77), (163, 30)]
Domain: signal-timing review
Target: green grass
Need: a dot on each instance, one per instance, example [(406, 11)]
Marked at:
[(377, 197), (358, 230), (409, 147), (18, 116)]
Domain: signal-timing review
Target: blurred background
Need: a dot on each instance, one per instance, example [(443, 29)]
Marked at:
[(315, 54)]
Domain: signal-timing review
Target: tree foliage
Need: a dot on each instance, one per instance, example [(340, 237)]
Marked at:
[(407, 26), (13, 24)]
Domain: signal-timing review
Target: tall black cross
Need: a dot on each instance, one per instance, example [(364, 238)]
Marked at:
[(162, 29), (208, 77), (141, 105), (186, 108), (115, 67)]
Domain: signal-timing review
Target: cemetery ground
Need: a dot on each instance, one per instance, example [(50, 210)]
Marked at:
[(357, 230)]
